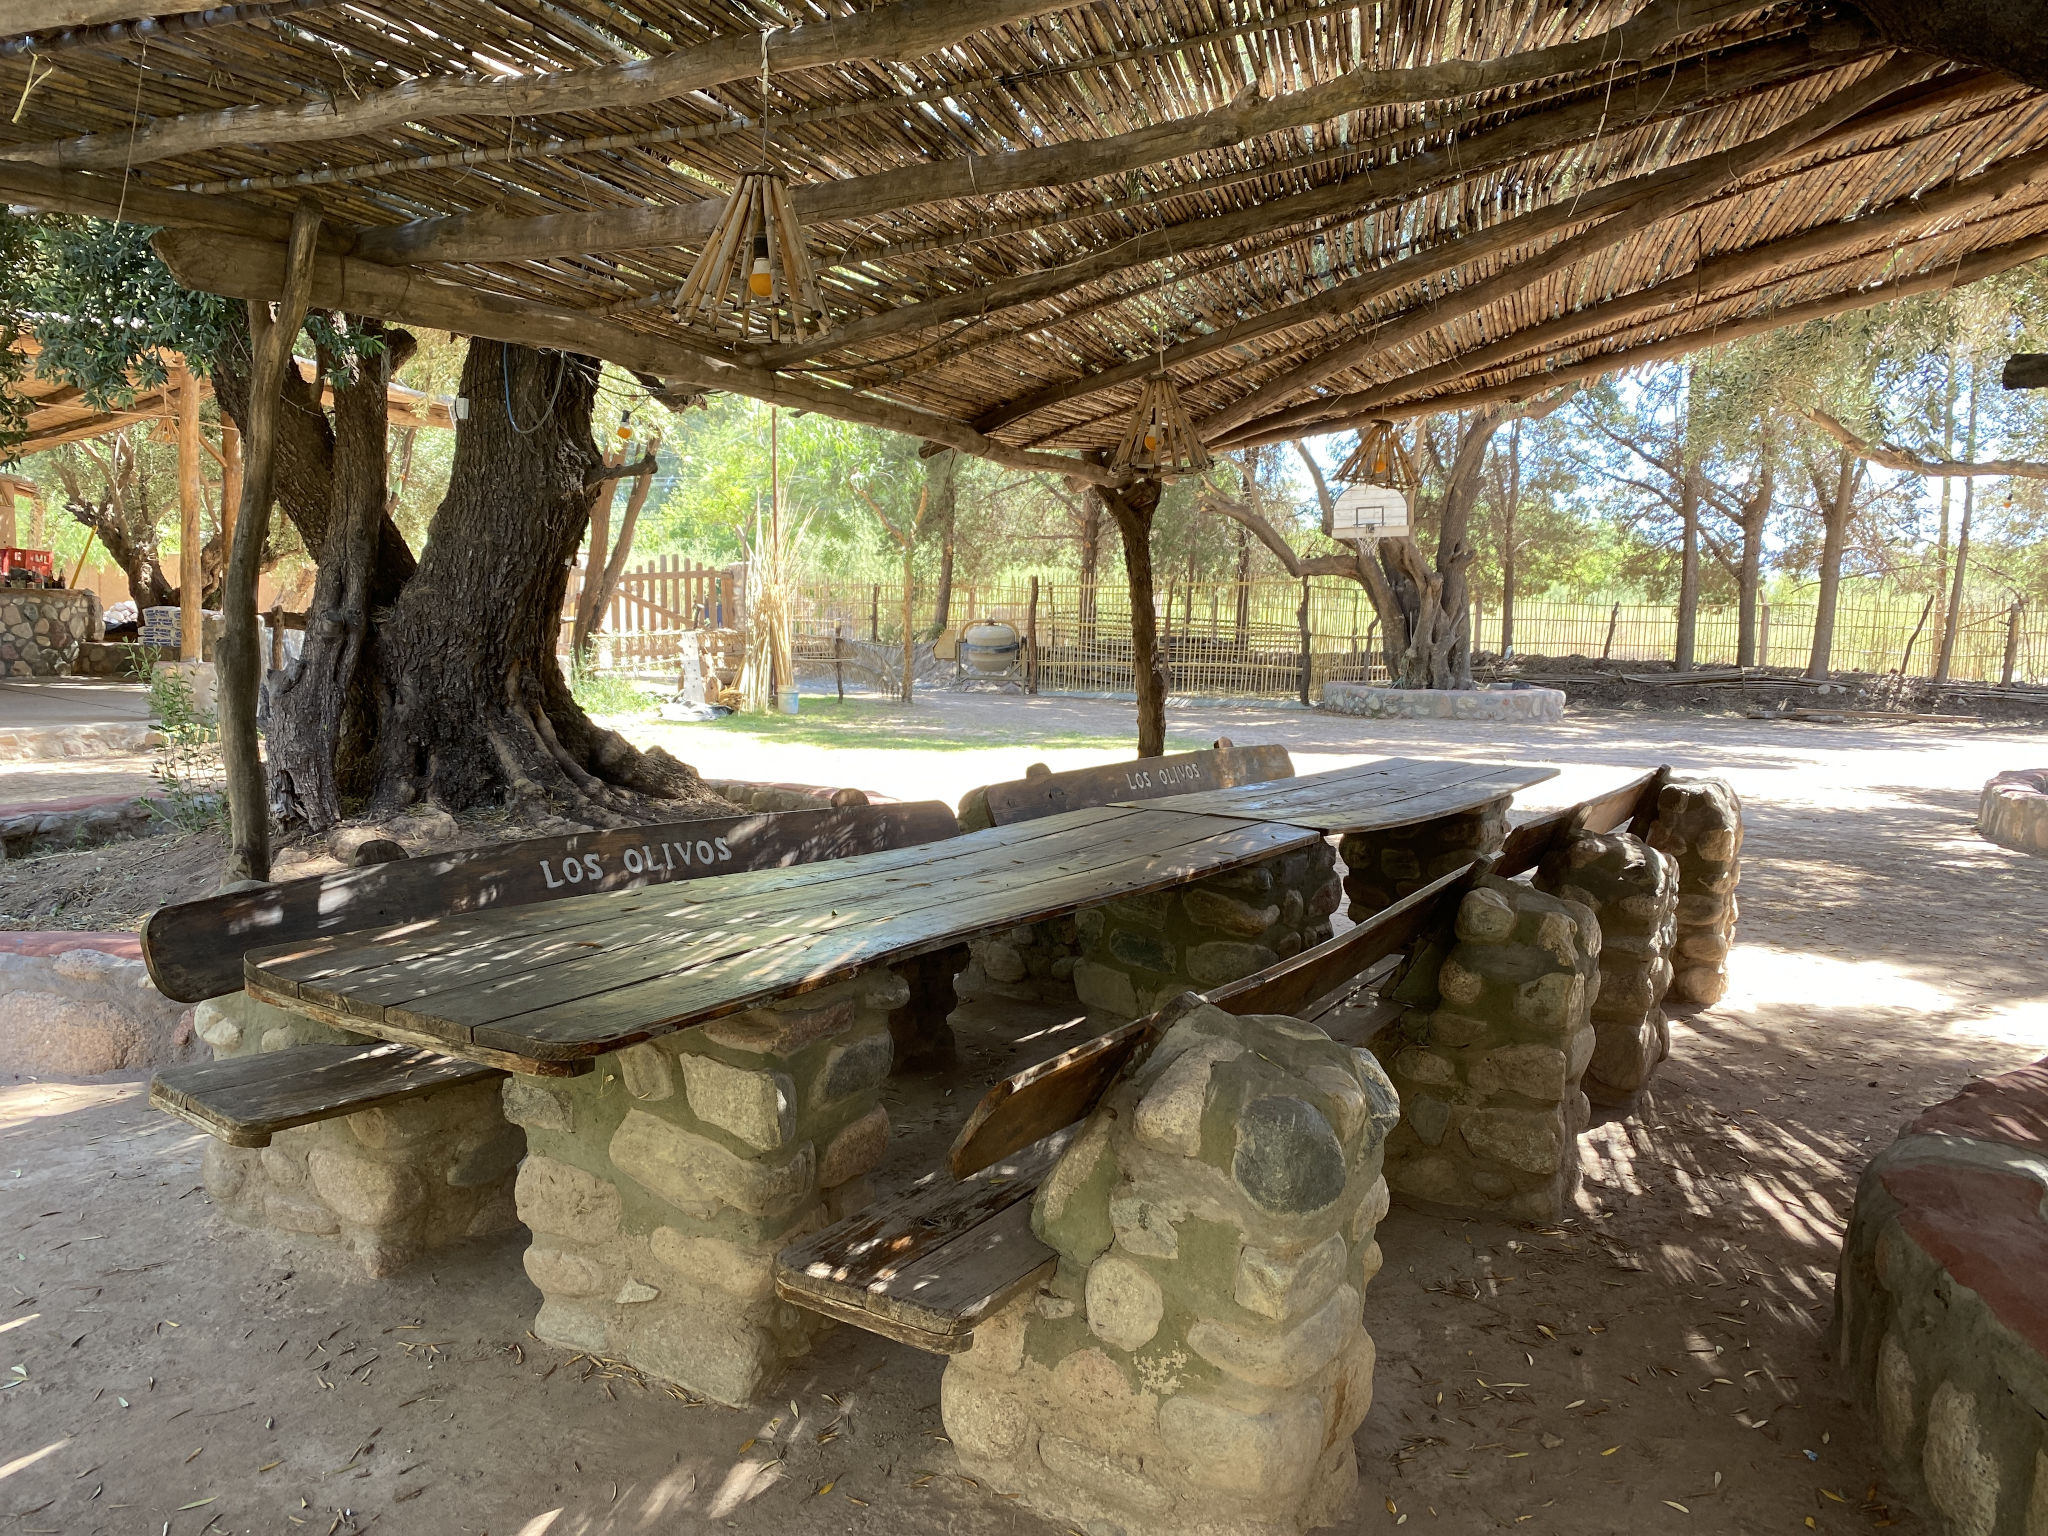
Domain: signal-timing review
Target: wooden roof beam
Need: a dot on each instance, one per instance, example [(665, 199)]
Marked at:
[(484, 238), (1949, 275), (251, 269), (1702, 178), (906, 29), (1902, 219), (1628, 105), (1349, 295)]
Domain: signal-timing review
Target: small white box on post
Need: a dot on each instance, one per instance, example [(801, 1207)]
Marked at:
[(1365, 512)]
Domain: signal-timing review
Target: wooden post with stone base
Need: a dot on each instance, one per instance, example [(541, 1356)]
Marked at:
[(660, 1186), (1632, 890), (1488, 1065), (1197, 1362)]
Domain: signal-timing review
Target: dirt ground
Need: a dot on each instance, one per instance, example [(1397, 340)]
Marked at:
[(1657, 1363)]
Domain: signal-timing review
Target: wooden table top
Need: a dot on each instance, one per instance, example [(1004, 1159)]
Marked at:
[(549, 987), (1393, 792)]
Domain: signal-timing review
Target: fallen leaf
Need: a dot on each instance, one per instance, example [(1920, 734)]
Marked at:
[(1678, 1506), (1610, 1450)]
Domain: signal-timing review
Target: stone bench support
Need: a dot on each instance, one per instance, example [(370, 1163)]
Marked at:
[(1140, 952), (389, 1184), (1632, 890), (1699, 827), (1198, 1361), (1382, 866), (660, 1186), (1491, 1108)]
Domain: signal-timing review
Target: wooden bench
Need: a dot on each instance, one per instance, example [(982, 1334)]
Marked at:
[(245, 1100), (1044, 793), (926, 1266), (195, 949)]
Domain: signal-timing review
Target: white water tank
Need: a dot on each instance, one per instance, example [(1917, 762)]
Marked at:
[(989, 648)]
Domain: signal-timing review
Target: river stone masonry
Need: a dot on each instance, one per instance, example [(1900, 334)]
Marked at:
[(1139, 951), (42, 628), (1941, 1320), (389, 1184), (1632, 890), (1032, 961), (660, 1186), (1197, 1363), (1699, 826), (1491, 1108), (1382, 866), (2012, 811)]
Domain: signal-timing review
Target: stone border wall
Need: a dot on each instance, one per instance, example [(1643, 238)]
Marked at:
[(660, 1186), (2012, 811), (41, 629), (390, 1184), (1941, 1317), (1197, 1361), (1140, 951), (1491, 1109), (1527, 706)]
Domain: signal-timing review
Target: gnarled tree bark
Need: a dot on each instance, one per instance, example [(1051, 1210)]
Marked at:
[(1131, 507)]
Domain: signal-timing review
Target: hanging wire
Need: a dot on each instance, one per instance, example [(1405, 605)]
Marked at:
[(554, 395)]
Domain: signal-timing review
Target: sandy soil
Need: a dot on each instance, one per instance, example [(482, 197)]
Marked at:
[(1654, 1364)]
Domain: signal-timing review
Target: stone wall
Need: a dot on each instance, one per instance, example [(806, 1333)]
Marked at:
[(660, 1186), (389, 1184), (1699, 826), (1526, 706), (1142, 950), (1488, 1068), (1029, 961), (2013, 810), (1383, 866), (1940, 1326), (1632, 890), (71, 1008), (1197, 1361), (41, 629)]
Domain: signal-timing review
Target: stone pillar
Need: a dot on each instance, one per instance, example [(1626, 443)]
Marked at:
[(1143, 950), (660, 1186), (1381, 867), (390, 1184), (1699, 826), (1197, 1361), (1489, 1075), (1632, 890)]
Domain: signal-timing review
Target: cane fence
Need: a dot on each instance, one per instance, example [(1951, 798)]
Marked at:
[(1272, 638)]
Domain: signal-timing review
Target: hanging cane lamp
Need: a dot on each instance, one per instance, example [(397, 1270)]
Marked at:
[(1161, 439), (1380, 458), (753, 272)]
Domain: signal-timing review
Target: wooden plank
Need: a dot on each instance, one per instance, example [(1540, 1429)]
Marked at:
[(245, 1100), (497, 1061), (935, 1258), (194, 949), (1392, 792), (1631, 805), (1141, 779)]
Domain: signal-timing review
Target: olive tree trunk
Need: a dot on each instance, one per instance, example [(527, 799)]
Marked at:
[(1131, 507)]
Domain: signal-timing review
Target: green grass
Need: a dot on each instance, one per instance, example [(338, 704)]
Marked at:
[(604, 693), (847, 723)]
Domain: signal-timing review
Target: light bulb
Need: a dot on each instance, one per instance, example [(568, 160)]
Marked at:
[(761, 280)]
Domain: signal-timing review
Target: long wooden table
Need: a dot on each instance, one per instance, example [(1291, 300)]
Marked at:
[(547, 989), (1392, 792)]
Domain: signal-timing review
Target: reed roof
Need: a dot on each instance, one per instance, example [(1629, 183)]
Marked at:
[(1310, 212)]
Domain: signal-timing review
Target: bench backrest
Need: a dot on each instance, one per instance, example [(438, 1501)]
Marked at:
[(194, 949), (1223, 766)]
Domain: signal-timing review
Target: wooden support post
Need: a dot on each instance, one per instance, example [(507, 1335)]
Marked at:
[(1031, 641), (191, 572), (2012, 643), (277, 636), (230, 481), (271, 339), (1607, 646), (875, 615), (1763, 634), (1307, 660), (839, 657)]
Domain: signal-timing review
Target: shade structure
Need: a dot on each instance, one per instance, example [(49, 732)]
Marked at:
[(1381, 458), (753, 275)]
